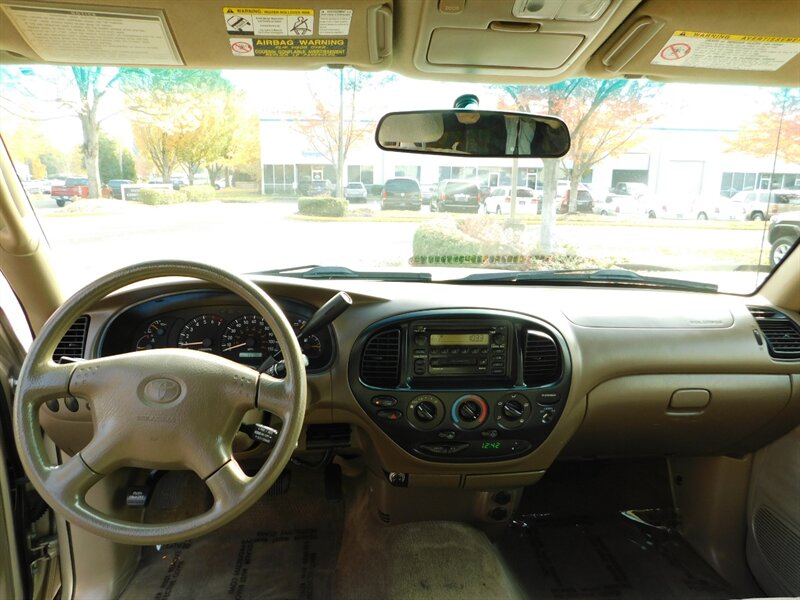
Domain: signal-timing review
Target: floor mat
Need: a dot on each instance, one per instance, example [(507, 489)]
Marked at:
[(619, 556), (275, 550)]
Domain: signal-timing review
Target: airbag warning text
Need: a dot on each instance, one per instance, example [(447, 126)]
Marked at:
[(289, 48)]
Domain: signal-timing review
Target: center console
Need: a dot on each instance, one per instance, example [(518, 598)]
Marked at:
[(462, 385)]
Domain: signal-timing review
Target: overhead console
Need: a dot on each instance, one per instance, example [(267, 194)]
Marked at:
[(462, 385)]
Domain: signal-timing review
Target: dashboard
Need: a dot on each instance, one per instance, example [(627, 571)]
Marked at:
[(459, 385)]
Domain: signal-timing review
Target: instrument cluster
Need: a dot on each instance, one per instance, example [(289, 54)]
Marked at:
[(231, 330)]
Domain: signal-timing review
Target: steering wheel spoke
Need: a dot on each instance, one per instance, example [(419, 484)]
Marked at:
[(275, 396), (227, 484), (70, 481), (47, 382)]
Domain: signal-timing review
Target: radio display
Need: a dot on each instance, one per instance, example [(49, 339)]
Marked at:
[(459, 339)]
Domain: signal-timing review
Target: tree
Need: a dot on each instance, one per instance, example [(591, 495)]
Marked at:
[(67, 92), (603, 116), (27, 144), (774, 131), (115, 162), (182, 117), (332, 131)]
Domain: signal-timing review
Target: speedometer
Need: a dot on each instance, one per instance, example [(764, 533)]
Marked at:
[(249, 339)]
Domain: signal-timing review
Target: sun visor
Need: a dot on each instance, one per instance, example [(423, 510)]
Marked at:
[(198, 33), (709, 43)]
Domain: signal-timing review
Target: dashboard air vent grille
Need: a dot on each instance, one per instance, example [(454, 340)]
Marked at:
[(541, 359), (73, 344), (380, 363), (782, 334)]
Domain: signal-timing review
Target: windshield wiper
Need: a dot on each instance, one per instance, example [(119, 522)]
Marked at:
[(621, 277), (336, 272)]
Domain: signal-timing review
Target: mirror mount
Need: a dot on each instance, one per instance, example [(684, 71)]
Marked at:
[(467, 101)]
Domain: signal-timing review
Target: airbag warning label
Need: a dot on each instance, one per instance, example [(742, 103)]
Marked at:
[(727, 51), (289, 47)]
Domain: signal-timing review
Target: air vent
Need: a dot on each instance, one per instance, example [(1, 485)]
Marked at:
[(782, 334), (380, 363), (541, 359), (73, 344)]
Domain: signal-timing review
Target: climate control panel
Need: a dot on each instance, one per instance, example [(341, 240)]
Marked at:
[(462, 416)]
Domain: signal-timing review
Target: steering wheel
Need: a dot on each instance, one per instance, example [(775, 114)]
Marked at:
[(158, 409)]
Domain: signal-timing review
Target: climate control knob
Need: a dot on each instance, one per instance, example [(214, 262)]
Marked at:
[(425, 411), (513, 410), (469, 412)]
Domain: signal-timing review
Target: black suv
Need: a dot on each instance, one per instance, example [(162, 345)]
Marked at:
[(401, 192), (784, 231), (456, 195)]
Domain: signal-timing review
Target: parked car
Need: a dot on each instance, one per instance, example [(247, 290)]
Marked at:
[(718, 208), (36, 186), (585, 200), (499, 200), (428, 192), (620, 205), (401, 192), (355, 190), (320, 187), (629, 188), (784, 231), (74, 187), (758, 205), (456, 195), (115, 185)]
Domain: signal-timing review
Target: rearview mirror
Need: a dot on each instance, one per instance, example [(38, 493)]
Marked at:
[(484, 133)]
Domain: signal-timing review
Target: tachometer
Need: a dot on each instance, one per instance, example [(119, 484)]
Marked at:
[(202, 333), (249, 339)]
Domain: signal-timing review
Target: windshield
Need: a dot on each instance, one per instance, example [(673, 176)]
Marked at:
[(248, 171)]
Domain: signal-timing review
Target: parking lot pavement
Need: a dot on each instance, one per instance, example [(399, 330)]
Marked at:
[(251, 237)]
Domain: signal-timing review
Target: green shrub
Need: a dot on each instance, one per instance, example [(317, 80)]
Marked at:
[(158, 197), (443, 243), (198, 193), (322, 206)]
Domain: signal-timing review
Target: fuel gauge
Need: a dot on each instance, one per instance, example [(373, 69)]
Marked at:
[(155, 336)]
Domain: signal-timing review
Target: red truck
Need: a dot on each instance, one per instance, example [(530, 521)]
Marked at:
[(74, 187)]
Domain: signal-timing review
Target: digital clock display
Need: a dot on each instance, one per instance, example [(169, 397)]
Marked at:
[(491, 445), (459, 339)]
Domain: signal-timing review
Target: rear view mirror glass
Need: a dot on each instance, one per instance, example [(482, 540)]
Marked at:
[(482, 133)]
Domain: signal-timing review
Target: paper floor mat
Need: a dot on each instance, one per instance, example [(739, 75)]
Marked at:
[(606, 557), (284, 547)]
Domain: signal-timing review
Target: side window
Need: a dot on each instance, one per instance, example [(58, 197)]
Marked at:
[(14, 313)]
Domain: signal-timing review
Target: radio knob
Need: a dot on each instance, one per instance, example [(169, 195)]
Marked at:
[(425, 411), (498, 338), (469, 410), (420, 339), (513, 410)]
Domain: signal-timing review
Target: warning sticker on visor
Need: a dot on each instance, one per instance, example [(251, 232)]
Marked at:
[(701, 50), (289, 47)]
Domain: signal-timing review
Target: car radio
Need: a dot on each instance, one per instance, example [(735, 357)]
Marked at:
[(441, 348)]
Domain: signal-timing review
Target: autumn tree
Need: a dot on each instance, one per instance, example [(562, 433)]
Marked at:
[(29, 145), (244, 156), (57, 92), (604, 117), (774, 131), (181, 117), (331, 130)]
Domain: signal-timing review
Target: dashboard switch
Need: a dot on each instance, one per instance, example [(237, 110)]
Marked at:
[(390, 415), (71, 402), (384, 401)]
